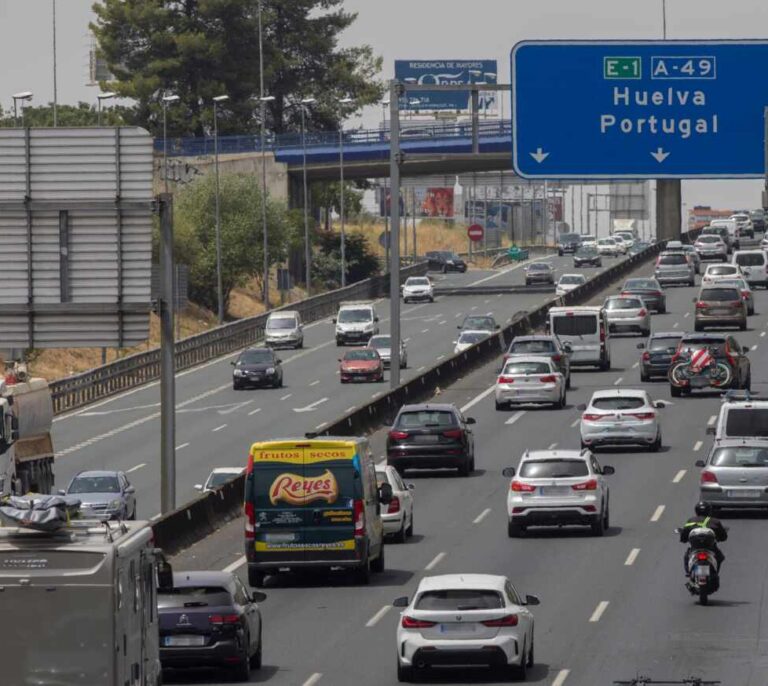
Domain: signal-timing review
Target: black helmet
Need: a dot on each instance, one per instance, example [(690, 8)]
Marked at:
[(703, 509)]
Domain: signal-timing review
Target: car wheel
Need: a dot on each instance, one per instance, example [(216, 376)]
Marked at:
[(409, 530), (747, 387), (339, 343), (692, 283), (698, 327), (644, 377), (531, 655), (242, 670), (133, 514), (236, 386), (605, 365), (607, 518), (464, 469), (499, 406), (598, 526), (675, 392), (656, 445), (514, 529), (560, 404), (402, 534), (256, 657), (520, 672), (743, 326), (445, 269), (662, 309), (404, 673), (568, 382), (378, 564), (751, 311), (431, 300)]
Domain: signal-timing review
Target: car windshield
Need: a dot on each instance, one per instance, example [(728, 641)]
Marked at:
[(736, 283), (577, 325), (583, 252), (539, 267), (750, 259), (473, 337), (553, 469), (450, 256), (194, 596), (219, 478), (379, 342), (607, 241), (618, 403), (570, 237), (420, 419), (513, 368), (479, 323), (674, 258), (742, 456), (94, 484), (355, 316), (721, 270), (641, 284), (282, 323), (664, 343), (623, 304), (532, 347), (361, 355), (255, 357), (459, 600), (719, 294), (574, 279), (417, 281), (747, 421)]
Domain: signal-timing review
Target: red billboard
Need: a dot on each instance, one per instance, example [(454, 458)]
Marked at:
[(437, 202)]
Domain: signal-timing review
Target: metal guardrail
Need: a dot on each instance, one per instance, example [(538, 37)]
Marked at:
[(493, 290), (141, 368)]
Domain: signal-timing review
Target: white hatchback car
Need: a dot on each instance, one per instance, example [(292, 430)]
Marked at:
[(556, 488), (568, 282), (721, 271), (530, 380), (218, 477), (621, 416), (397, 517), (418, 288), (469, 338), (610, 246), (465, 619)]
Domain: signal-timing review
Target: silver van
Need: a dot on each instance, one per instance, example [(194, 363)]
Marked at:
[(585, 331), (284, 330)]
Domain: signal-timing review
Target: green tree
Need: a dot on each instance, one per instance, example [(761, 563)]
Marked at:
[(241, 235), (198, 49), (362, 263), (82, 114), (327, 195)]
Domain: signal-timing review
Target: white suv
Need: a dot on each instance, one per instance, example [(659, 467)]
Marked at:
[(557, 487), (418, 288)]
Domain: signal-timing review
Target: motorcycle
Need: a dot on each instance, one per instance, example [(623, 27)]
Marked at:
[(703, 577), (701, 369)]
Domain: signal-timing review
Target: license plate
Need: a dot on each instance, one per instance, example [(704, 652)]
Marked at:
[(456, 628), (429, 438), (184, 641), (744, 493), (554, 490), (279, 538), (699, 382), (702, 570)]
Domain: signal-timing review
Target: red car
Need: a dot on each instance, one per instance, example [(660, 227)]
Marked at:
[(361, 364)]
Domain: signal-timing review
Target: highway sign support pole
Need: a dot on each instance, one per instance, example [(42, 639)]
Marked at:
[(395, 92), (167, 359), (765, 156), (668, 209)]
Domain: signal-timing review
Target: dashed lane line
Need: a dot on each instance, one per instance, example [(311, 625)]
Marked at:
[(314, 383), (285, 397), (631, 557), (711, 421), (697, 446), (482, 515), (313, 679), (373, 621), (575, 422), (239, 562), (478, 398), (136, 468), (552, 446), (656, 516), (435, 561), (515, 417), (253, 412), (679, 476), (562, 675), (182, 446), (599, 610), (618, 381), (219, 428)]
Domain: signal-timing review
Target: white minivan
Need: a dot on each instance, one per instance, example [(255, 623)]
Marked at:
[(741, 417), (284, 330), (754, 265), (585, 330)]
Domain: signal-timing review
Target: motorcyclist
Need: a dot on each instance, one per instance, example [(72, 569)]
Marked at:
[(704, 518)]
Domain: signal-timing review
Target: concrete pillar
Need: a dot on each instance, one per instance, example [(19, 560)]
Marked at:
[(668, 209)]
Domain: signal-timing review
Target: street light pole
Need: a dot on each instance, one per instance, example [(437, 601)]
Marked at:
[(307, 246), (167, 100), (262, 115), (23, 96), (343, 101), (219, 279), (55, 84), (100, 98)]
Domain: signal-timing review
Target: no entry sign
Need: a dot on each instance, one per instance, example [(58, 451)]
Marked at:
[(475, 232)]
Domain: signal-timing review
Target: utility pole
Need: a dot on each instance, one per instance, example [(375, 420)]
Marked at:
[(765, 148), (55, 79), (219, 277), (394, 243)]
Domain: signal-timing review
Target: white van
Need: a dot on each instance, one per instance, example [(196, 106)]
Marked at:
[(754, 265), (740, 418), (284, 329), (585, 331), (356, 322), (733, 230)]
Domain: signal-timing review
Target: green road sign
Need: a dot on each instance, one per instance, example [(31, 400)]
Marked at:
[(621, 68)]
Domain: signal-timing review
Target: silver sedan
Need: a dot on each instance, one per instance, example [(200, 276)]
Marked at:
[(530, 380), (627, 313), (383, 345), (747, 295)]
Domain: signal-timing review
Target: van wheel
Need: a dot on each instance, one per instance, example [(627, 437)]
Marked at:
[(464, 469), (256, 578), (520, 672), (605, 365), (568, 382), (363, 573), (675, 392), (378, 564)]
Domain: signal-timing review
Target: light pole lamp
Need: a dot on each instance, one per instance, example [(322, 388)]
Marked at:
[(101, 97), (342, 102), (23, 97), (263, 100), (307, 247), (167, 100), (219, 280)]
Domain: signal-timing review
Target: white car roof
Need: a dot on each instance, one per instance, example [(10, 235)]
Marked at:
[(284, 314), (227, 470), (746, 252), (577, 309), (485, 332), (491, 582), (619, 393), (580, 276), (735, 267)]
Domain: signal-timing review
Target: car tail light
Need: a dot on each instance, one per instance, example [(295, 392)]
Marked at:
[(589, 417), (642, 312), (643, 415), (646, 356), (224, 619), (520, 487), (736, 304), (509, 620), (250, 521), (625, 293), (394, 505), (657, 293), (411, 623), (453, 433), (602, 333), (359, 514), (398, 435), (701, 306), (708, 478), (549, 378), (702, 556), (728, 355), (506, 379), (557, 358), (658, 261), (590, 485)]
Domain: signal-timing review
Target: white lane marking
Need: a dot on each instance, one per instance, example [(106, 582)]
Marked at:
[(156, 517), (182, 446), (136, 468), (435, 561), (675, 325), (239, 562), (443, 322), (314, 383), (711, 421), (636, 365), (562, 675), (478, 398), (253, 412), (457, 315), (601, 607), (219, 428), (235, 407), (618, 381), (376, 395), (506, 271), (697, 446), (285, 397), (349, 409), (552, 446), (679, 476), (439, 357), (424, 330), (313, 679), (754, 347), (482, 515), (499, 295), (119, 410), (575, 422), (515, 417), (631, 557), (687, 314), (486, 301), (373, 621), (312, 406), (405, 340), (762, 334), (656, 516), (320, 426)]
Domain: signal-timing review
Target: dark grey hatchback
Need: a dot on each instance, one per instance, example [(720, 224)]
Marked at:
[(431, 436), (257, 367), (657, 354)]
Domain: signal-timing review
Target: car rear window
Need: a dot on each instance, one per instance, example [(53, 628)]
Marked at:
[(570, 237), (746, 422), (255, 357), (692, 344), (361, 355), (194, 596), (526, 368), (618, 403), (553, 469), (479, 323), (752, 259), (741, 456), (623, 304), (641, 284), (576, 325), (572, 279), (459, 600), (678, 258), (538, 267), (719, 294), (721, 270), (665, 343), (710, 239), (426, 418), (523, 347)]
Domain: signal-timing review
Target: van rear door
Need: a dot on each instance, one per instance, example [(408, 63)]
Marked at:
[(582, 331)]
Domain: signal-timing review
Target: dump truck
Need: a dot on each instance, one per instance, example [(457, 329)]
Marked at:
[(26, 445)]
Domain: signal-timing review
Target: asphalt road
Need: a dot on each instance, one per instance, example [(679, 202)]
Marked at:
[(611, 608), (216, 425)]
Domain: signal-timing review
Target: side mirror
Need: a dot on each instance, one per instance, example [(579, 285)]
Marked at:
[(130, 489), (334, 320), (745, 349), (532, 600), (258, 597), (459, 326), (660, 404), (278, 360), (454, 342), (339, 359), (401, 602), (164, 573), (61, 491), (198, 487), (471, 420), (385, 494), (496, 327), (410, 487), (640, 346), (711, 431), (233, 363), (700, 463), (509, 472), (581, 407), (375, 319), (695, 300), (567, 347), (608, 470)]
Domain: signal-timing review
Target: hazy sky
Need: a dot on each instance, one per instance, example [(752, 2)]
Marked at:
[(416, 29)]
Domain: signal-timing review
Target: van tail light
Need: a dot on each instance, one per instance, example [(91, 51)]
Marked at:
[(701, 306), (453, 433), (250, 521), (359, 514), (643, 415), (642, 312), (745, 295), (520, 487), (219, 620), (702, 556), (646, 356), (590, 485), (398, 435), (411, 623), (549, 378), (394, 505), (506, 379), (708, 478), (509, 620), (590, 417)]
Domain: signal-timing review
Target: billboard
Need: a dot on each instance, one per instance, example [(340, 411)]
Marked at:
[(447, 72), (435, 202)]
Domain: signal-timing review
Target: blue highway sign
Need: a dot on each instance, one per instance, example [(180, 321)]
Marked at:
[(639, 109)]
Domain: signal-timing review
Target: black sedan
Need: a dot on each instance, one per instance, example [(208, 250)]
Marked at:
[(257, 367), (649, 290), (587, 257), (657, 354), (209, 619), (445, 261)]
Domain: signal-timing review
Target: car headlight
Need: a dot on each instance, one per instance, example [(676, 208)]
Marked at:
[(239, 372), (369, 327), (270, 370), (115, 504)]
